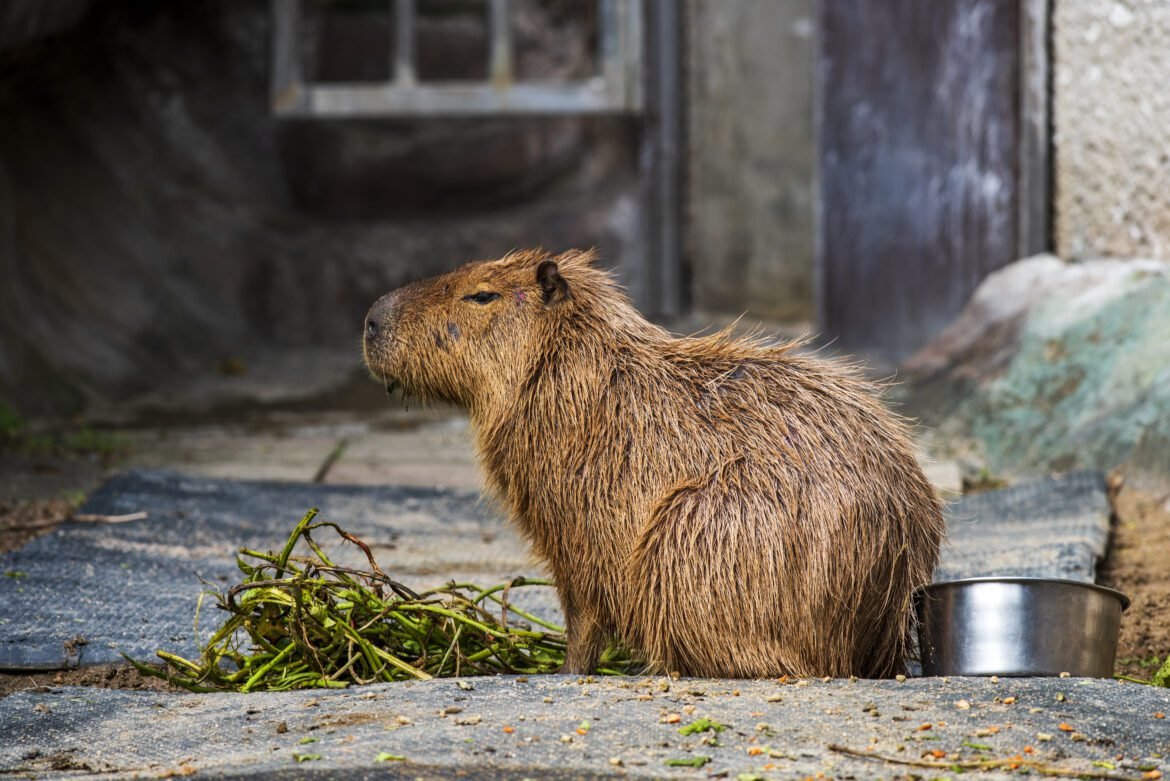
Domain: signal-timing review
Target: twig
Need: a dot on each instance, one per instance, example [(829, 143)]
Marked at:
[(96, 518), (982, 764), (331, 459)]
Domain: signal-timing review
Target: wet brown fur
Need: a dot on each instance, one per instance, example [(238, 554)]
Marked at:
[(724, 506)]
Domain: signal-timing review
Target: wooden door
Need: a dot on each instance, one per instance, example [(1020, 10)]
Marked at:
[(918, 135)]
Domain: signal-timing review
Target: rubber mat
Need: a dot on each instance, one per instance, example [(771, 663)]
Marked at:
[(1054, 527), (88, 592)]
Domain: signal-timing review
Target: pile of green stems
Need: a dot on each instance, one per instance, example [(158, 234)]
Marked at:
[(300, 622)]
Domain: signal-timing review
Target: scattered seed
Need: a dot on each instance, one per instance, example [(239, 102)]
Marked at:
[(900, 678), (1064, 726), (963, 705), (776, 698), (281, 728), (469, 721), (465, 685), (548, 699), (1043, 737), (615, 761), (509, 730), (1159, 715), (672, 718), (1009, 700)]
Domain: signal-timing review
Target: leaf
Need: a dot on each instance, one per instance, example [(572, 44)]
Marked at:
[(305, 757), (306, 740), (692, 762), (1162, 677), (387, 757), (703, 724)]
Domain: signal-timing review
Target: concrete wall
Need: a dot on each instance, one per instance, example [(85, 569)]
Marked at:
[(157, 223), (1112, 128), (22, 21), (749, 210)]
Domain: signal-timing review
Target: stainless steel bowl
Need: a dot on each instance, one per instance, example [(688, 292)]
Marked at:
[(1019, 626)]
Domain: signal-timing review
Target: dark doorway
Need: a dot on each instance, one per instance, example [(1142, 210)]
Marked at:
[(919, 149)]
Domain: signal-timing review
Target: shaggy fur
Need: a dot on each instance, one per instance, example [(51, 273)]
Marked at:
[(724, 507)]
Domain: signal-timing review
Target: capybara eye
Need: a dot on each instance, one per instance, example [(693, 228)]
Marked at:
[(482, 297)]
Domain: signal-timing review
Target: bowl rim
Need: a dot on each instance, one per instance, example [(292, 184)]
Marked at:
[(1023, 580)]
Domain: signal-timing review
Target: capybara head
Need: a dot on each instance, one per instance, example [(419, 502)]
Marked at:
[(464, 334)]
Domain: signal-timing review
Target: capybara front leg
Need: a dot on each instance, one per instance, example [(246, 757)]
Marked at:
[(586, 641)]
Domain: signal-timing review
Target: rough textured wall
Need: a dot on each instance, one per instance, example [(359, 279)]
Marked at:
[(156, 222), (751, 152), (1112, 128), (22, 21)]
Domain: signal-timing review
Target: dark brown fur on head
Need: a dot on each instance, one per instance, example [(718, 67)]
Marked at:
[(723, 506)]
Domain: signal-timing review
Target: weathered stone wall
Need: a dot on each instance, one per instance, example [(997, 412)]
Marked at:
[(749, 212), (22, 21), (156, 222), (1112, 128)]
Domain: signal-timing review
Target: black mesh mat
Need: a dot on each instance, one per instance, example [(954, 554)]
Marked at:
[(88, 591)]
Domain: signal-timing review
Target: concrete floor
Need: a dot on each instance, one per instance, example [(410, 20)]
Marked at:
[(425, 448)]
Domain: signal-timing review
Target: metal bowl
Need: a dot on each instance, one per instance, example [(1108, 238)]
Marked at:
[(1018, 626)]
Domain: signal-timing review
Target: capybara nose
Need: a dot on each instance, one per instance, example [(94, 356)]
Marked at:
[(378, 318)]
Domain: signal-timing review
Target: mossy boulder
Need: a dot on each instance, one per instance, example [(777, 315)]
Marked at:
[(1054, 366)]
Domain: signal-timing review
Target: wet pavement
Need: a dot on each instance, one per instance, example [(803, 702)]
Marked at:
[(558, 726)]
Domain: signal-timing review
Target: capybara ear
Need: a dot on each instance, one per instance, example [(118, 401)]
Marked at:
[(552, 284)]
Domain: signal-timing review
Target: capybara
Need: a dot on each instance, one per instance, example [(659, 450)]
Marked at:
[(723, 506)]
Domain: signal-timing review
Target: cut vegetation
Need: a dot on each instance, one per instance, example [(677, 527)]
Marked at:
[(302, 621)]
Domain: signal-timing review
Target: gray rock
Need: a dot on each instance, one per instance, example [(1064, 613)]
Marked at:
[(1055, 366)]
